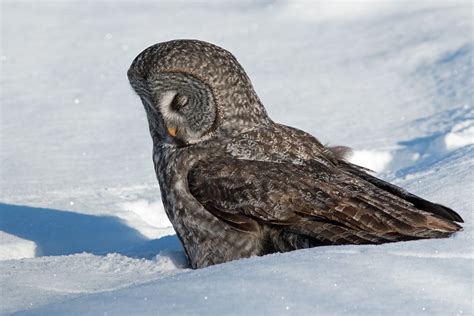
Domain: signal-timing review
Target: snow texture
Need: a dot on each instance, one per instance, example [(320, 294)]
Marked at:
[(82, 228)]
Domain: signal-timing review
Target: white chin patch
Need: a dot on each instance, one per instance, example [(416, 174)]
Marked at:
[(171, 117)]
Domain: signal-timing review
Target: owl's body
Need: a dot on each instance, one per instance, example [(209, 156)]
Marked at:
[(206, 239), (235, 184)]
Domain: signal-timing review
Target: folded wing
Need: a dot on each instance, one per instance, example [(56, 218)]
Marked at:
[(315, 204)]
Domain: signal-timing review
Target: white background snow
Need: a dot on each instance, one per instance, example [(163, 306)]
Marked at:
[(82, 228)]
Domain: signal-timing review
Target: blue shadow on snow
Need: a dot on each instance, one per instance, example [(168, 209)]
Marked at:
[(58, 232)]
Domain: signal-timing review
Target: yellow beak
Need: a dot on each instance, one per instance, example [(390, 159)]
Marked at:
[(172, 131)]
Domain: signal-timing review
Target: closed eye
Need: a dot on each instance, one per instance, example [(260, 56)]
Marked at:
[(179, 101)]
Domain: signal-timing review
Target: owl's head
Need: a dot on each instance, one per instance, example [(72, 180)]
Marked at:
[(193, 91)]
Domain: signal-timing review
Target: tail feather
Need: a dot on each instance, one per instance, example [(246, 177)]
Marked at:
[(422, 204)]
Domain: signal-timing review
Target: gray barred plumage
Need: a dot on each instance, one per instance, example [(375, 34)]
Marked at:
[(235, 184)]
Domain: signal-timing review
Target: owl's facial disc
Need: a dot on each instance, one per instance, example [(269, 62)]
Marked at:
[(186, 106)]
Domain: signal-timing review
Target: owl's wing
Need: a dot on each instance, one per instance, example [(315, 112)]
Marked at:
[(417, 201), (312, 199)]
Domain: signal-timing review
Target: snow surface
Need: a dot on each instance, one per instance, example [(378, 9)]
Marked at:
[(82, 228)]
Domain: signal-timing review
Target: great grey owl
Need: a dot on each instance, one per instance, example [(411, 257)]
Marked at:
[(236, 184)]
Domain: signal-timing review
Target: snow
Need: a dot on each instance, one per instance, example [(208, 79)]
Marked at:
[(374, 160), (461, 135), (12, 247), (148, 217), (82, 228)]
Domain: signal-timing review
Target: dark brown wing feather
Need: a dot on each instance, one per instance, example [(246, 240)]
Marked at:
[(440, 210), (312, 203)]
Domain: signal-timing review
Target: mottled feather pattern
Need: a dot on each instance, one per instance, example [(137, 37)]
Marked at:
[(235, 184), (287, 194)]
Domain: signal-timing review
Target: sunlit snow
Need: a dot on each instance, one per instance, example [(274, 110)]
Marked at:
[(82, 228)]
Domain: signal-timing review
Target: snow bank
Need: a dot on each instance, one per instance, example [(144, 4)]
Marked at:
[(12, 247), (373, 160), (152, 220), (27, 284), (461, 135)]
